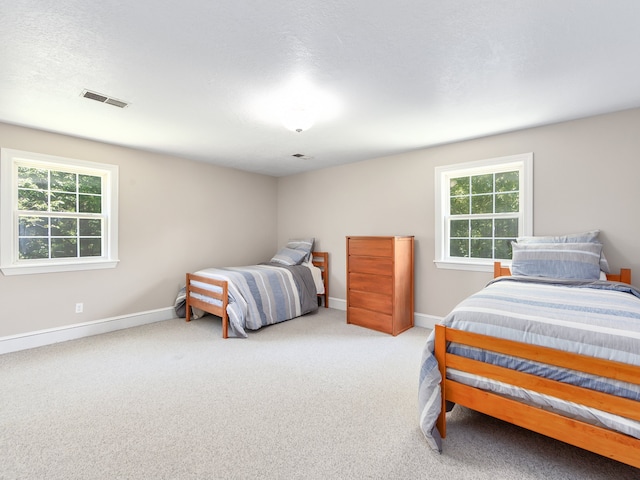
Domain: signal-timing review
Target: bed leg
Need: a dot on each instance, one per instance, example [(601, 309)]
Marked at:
[(225, 326), (187, 316)]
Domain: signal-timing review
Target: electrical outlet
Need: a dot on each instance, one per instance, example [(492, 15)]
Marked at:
[(79, 307)]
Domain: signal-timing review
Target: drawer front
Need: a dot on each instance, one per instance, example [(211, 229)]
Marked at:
[(367, 318), (374, 265), (366, 282), (371, 301), (376, 247)]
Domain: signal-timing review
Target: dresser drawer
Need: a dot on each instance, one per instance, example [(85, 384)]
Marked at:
[(371, 301), (376, 247), (367, 318), (374, 265), (366, 282)]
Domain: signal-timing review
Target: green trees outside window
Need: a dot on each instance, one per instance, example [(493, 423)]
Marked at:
[(59, 214), (484, 211)]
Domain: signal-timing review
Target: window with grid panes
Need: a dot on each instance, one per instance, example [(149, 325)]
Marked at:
[(481, 208), (58, 214)]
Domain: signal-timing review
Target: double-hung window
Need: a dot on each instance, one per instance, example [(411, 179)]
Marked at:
[(481, 207), (57, 214)]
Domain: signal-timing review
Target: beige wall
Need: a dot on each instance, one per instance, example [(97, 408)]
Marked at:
[(161, 236), (586, 176)]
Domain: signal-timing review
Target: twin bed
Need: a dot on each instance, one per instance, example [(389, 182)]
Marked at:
[(554, 348), (291, 284)]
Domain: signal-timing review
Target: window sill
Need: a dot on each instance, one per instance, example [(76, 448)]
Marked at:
[(468, 266), (57, 267)]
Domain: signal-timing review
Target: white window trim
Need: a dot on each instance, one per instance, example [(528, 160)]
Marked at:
[(9, 263), (522, 162)]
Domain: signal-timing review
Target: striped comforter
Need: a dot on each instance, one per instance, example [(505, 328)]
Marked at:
[(599, 319), (264, 294)]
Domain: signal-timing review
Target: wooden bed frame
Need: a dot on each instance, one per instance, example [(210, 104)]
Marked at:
[(320, 260), (609, 443)]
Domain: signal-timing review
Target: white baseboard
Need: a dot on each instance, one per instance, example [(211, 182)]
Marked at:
[(24, 341), (419, 319), (425, 321), (338, 304)]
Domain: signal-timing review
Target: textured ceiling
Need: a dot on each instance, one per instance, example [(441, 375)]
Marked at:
[(406, 74)]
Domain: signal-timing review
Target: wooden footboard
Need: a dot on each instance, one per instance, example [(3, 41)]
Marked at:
[(222, 296), (600, 440)]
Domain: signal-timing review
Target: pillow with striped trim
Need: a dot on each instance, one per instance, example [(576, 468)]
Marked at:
[(289, 256), (580, 261), (582, 237)]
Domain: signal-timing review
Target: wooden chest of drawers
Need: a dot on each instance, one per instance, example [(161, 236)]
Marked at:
[(380, 283)]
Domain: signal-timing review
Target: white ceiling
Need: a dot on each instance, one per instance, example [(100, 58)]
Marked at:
[(407, 74)]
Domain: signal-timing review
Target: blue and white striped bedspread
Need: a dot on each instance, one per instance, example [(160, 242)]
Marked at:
[(599, 319), (264, 294)]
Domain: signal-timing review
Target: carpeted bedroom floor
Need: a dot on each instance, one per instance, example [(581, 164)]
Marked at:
[(312, 398)]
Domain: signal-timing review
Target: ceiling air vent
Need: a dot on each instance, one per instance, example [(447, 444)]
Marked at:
[(98, 97), (302, 156)]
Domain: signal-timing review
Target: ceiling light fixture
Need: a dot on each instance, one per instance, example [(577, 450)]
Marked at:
[(298, 119), (297, 106)]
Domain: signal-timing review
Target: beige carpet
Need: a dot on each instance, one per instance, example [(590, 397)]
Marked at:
[(312, 398)]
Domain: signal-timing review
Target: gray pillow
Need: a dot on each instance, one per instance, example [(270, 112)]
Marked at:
[(289, 256), (582, 237), (303, 244), (557, 260)]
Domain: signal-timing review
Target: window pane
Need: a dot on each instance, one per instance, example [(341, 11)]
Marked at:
[(481, 204), (507, 202), (506, 227), (482, 184), (33, 178), (64, 247), (481, 248), (459, 186), (482, 228), (63, 202), (90, 228), (90, 247), (459, 248), (35, 200), (507, 182), (459, 228), (90, 204), (64, 227), (459, 205), (32, 227), (503, 249), (63, 181), (90, 184), (32, 248)]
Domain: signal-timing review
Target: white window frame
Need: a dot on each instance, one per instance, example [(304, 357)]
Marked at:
[(10, 264), (521, 162)]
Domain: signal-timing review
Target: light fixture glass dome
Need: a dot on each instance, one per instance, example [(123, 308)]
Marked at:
[(298, 119)]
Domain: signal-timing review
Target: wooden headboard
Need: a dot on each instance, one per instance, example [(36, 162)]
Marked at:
[(624, 276), (321, 260)]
